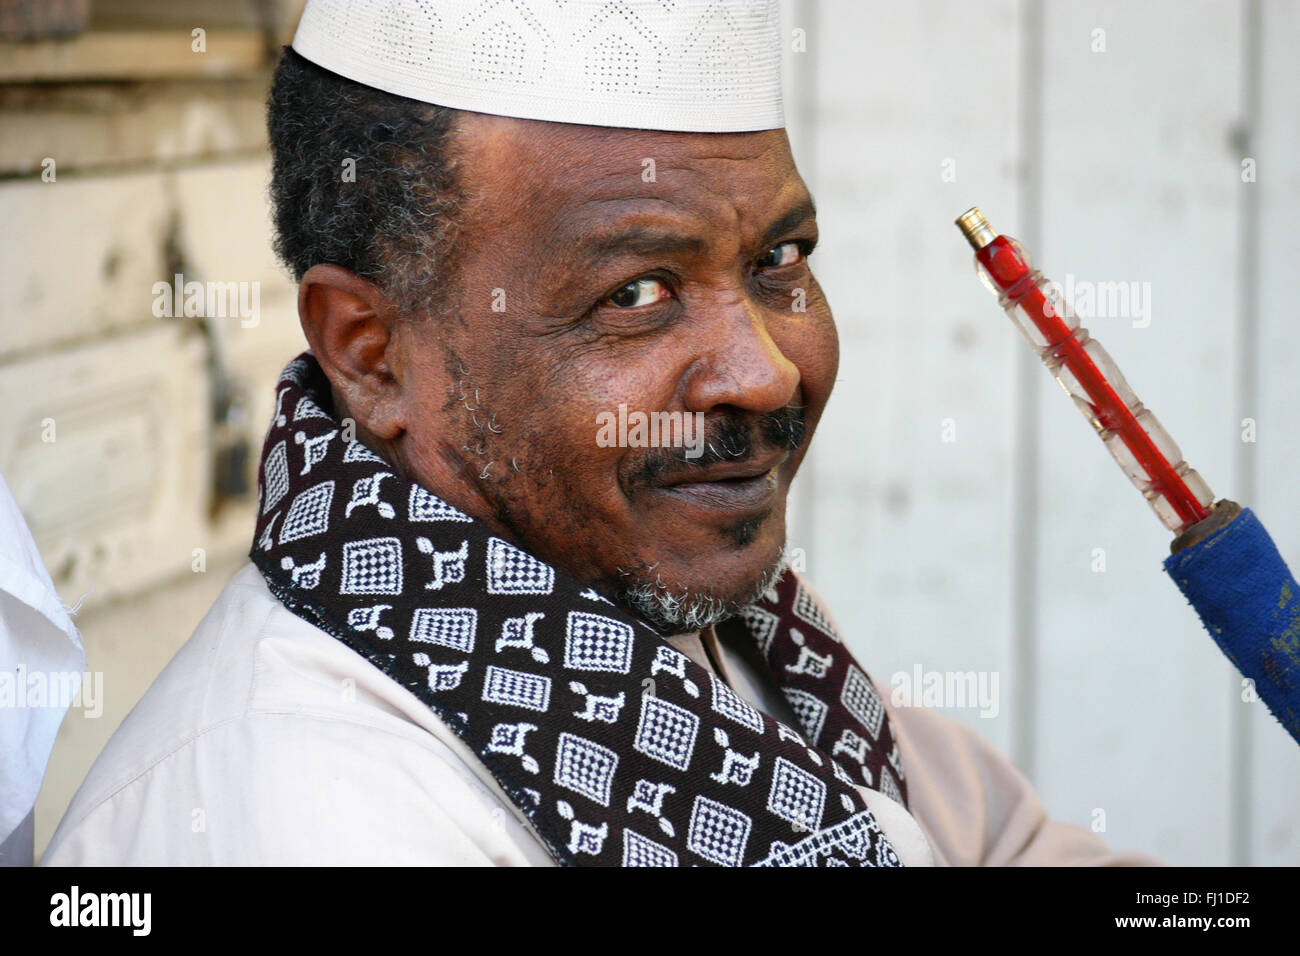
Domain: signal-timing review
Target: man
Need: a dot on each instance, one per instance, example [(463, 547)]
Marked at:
[(475, 629)]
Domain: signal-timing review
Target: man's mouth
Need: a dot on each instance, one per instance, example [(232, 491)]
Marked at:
[(732, 486)]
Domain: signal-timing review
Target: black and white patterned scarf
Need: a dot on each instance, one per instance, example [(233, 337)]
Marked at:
[(617, 748)]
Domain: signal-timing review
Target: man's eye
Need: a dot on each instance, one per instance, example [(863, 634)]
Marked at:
[(640, 292), (786, 254)]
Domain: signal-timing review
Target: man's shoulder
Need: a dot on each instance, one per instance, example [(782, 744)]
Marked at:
[(205, 683), (212, 677), (254, 686)]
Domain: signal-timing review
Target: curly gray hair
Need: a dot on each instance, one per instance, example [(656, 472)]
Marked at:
[(393, 221)]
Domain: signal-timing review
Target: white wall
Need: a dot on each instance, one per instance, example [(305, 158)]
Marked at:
[(978, 554)]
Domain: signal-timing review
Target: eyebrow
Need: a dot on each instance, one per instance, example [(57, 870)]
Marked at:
[(643, 240), (798, 215), (638, 240)]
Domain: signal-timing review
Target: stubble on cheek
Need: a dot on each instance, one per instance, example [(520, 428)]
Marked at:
[(519, 463), (553, 491)]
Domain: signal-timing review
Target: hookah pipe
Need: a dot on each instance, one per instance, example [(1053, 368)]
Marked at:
[(1222, 558)]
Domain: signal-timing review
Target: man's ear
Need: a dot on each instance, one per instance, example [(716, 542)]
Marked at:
[(351, 326)]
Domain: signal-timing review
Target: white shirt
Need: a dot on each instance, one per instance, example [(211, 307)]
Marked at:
[(267, 741), (42, 662)]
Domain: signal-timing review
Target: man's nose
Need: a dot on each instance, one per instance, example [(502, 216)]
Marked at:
[(741, 365)]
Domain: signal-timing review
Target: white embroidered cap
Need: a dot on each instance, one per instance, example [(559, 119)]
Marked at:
[(690, 65)]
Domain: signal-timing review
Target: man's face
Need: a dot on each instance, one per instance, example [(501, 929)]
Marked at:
[(599, 268)]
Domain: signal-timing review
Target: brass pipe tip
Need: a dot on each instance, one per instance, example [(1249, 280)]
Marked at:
[(975, 228)]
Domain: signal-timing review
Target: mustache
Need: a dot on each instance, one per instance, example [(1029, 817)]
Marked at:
[(730, 439)]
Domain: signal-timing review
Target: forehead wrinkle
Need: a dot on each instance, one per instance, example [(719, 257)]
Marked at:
[(543, 153)]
